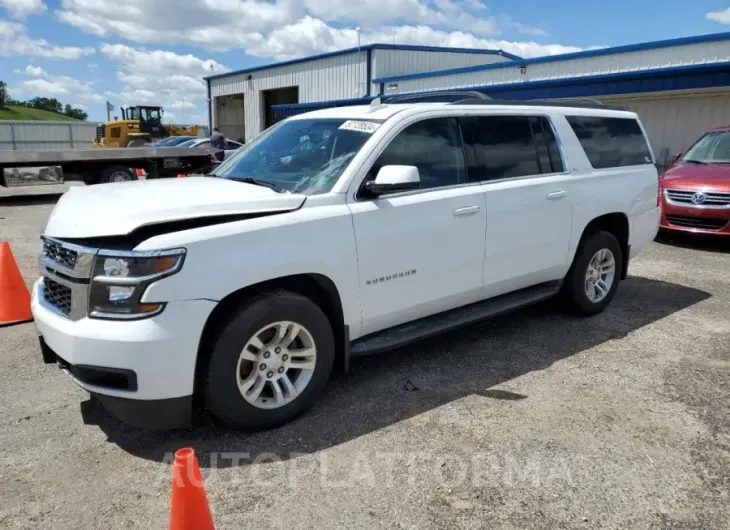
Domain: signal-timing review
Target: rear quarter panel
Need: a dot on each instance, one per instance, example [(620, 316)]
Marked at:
[(631, 190)]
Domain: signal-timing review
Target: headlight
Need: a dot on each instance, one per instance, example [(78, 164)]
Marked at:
[(121, 278)]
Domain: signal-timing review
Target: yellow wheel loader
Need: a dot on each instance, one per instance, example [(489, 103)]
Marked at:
[(139, 125)]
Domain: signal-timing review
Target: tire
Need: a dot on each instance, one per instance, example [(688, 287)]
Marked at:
[(227, 369), (117, 174), (575, 286)]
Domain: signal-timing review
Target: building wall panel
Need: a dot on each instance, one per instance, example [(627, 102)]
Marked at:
[(387, 63), (338, 77), (687, 55)]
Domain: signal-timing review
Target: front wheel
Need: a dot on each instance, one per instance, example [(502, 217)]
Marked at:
[(270, 363), (594, 277)]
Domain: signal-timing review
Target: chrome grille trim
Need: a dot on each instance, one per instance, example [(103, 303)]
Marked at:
[(713, 199), (70, 267)]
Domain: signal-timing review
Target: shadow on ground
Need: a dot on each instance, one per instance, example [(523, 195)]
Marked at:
[(391, 387), (30, 200), (707, 243)]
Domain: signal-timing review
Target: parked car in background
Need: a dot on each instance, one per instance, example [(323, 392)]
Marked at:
[(231, 146), (171, 141), (695, 190)]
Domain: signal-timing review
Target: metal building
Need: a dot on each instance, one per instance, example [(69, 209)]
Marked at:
[(242, 103), (679, 87)]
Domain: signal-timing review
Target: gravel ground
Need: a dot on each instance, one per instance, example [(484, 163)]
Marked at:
[(532, 420)]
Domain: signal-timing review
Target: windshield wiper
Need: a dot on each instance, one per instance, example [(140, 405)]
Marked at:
[(257, 182), (689, 161)]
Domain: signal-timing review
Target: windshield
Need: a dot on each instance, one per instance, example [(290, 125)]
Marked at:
[(301, 156), (150, 114), (188, 143), (712, 148)]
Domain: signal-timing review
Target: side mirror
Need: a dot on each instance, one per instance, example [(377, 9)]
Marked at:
[(676, 158), (392, 179)]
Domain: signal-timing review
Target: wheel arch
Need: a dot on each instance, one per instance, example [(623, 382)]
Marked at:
[(616, 223), (319, 288)]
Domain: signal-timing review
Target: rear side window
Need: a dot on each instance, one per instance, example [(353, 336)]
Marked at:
[(503, 147), (611, 142)]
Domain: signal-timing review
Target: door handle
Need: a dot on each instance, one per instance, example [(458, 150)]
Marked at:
[(556, 195), (466, 210)]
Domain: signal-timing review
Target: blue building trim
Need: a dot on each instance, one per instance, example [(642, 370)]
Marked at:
[(210, 109), (658, 80), (369, 73), (564, 57), (368, 47)]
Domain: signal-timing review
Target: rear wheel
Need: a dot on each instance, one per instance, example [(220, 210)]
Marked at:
[(117, 174), (594, 277), (270, 363)]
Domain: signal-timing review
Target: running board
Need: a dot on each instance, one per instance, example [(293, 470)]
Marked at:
[(426, 327)]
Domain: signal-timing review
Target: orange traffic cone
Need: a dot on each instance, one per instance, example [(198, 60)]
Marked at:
[(14, 295), (189, 508)]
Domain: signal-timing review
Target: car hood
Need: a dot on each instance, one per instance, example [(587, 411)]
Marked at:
[(119, 208), (698, 176)]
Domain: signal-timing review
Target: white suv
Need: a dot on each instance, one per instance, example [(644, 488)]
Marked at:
[(336, 233)]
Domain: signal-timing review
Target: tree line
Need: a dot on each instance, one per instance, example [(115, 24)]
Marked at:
[(49, 104)]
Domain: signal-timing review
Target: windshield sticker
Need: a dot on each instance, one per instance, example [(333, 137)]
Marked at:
[(360, 126)]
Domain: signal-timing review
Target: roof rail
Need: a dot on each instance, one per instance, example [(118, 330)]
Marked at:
[(435, 97), (588, 103)]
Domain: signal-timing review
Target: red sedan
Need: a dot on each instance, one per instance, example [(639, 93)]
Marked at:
[(695, 190)]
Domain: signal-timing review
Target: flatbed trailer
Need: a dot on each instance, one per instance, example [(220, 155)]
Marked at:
[(98, 166)]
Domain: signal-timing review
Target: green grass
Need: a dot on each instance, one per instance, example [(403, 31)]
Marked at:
[(25, 113)]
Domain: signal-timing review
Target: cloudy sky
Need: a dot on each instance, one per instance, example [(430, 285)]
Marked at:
[(86, 52)]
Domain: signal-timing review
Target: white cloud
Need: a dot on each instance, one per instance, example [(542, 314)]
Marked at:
[(35, 71), (80, 107), (22, 8), (14, 40), (723, 17), (45, 84), (182, 105), (283, 29), (161, 77)]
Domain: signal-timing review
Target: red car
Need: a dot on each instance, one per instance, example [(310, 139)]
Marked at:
[(695, 190)]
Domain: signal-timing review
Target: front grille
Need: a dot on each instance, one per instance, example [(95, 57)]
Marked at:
[(63, 256), (99, 132), (57, 295), (703, 223), (715, 199)]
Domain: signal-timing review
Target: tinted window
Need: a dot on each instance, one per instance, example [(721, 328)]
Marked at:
[(503, 147), (542, 149), (433, 146), (556, 162), (611, 142)]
